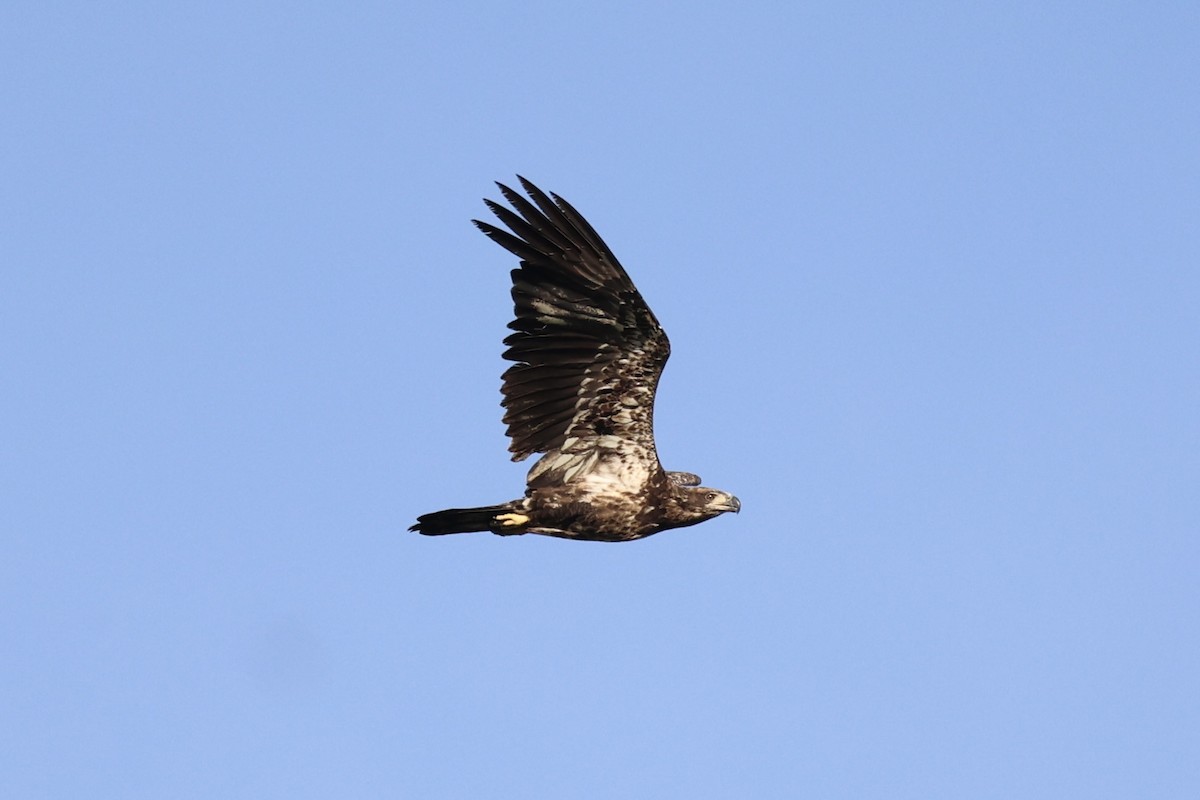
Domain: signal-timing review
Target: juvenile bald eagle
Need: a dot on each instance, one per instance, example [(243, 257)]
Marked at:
[(588, 353)]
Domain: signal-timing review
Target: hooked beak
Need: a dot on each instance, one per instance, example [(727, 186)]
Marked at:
[(733, 505)]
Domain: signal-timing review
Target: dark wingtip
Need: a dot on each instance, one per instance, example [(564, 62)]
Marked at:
[(528, 184), (505, 190)]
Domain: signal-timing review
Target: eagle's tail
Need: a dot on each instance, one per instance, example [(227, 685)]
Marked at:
[(468, 520)]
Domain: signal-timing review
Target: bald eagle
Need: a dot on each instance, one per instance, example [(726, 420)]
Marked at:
[(588, 353)]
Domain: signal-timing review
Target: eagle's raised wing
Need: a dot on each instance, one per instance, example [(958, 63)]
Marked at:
[(589, 351)]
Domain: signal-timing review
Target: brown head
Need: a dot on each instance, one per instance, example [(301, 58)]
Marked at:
[(698, 503)]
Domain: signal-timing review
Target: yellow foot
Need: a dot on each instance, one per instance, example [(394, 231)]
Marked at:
[(511, 520)]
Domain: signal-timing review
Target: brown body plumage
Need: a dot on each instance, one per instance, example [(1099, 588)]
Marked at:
[(588, 353)]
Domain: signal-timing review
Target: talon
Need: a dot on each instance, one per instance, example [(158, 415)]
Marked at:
[(511, 520)]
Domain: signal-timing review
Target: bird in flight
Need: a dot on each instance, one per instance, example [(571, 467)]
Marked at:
[(589, 353)]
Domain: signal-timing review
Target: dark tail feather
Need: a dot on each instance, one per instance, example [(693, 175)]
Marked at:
[(459, 520)]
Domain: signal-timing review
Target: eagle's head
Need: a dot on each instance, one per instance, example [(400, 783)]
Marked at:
[(706, 503)]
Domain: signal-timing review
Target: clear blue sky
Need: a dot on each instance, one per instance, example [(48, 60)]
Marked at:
[(932, 276)]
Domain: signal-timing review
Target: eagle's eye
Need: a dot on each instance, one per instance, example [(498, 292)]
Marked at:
[(710, 496)]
